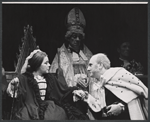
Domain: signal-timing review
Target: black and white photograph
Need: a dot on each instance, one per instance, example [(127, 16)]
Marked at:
[(74, 61)]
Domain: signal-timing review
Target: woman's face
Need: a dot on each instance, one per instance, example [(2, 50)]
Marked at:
[(125, 49), (45, 66)]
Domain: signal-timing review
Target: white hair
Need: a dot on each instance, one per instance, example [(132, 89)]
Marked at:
[(103, 59)]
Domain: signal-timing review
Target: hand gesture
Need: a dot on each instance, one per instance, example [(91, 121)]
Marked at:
[(14, 84), (81, 80), (114, 109), (79, 94)]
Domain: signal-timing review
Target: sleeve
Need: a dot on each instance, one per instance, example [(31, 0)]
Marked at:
[(93, 103), (113, 99), (63, 95), (57, 90)]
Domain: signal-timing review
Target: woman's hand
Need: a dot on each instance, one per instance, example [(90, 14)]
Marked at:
[(79, 93), (13, 87), (14, 84)]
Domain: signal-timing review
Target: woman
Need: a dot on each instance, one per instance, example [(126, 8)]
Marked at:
[(126, 59), (39, 95)]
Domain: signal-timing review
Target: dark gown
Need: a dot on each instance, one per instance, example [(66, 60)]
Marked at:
[(134, 66), (58, 103), (6, 106)]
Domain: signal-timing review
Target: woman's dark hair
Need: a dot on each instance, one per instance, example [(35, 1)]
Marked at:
[(35, 62), (121, 42)]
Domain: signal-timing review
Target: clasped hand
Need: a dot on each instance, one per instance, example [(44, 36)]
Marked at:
[(114, 109), (14, 84), (80, 94)]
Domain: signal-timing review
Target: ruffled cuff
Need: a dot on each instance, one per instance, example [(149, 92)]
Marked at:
[(93, 103)]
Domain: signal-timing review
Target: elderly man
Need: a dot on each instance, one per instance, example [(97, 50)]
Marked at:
[(121, 95)]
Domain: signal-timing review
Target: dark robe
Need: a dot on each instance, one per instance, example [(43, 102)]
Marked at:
[(6, 106), (58, 103), (112, 99)]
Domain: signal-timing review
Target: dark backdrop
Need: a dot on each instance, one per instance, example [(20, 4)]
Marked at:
[(106, 25)]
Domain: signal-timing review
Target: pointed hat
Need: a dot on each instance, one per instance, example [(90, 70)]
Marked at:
[(75, 21)]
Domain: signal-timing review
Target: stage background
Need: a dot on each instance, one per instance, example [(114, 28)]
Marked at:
[(106, 25)]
